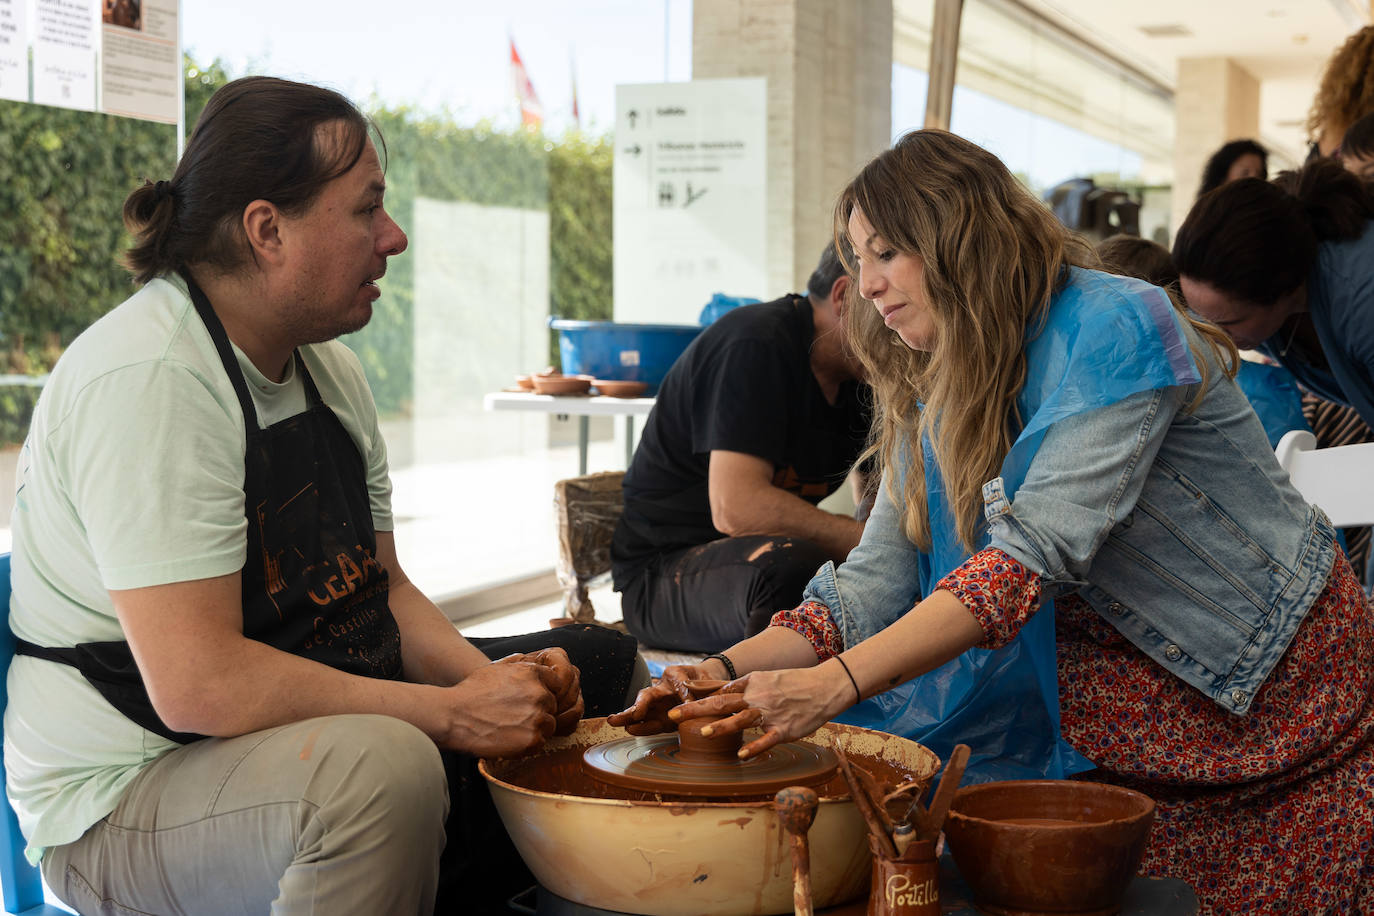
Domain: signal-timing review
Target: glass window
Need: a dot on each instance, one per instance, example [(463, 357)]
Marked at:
[(508, 224), (1049, 108)]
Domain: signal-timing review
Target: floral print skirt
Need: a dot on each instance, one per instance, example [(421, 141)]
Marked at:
[(1271, 812)]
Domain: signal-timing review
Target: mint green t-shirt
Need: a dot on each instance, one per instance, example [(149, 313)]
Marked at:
[(132, 476)]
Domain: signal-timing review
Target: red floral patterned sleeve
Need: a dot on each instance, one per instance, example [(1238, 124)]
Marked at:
[(998, 590), (812, 619)]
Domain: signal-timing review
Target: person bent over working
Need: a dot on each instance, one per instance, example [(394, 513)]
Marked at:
[(761, 418), (228, 697), (1286, 267), (1082, 442)]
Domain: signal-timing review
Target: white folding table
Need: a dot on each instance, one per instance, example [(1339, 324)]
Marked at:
[(582, 406)]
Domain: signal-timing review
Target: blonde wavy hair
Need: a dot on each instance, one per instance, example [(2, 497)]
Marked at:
[(1346, 92), (994, 256)]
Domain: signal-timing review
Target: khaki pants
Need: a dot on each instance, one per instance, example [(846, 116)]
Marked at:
[(335, 815)]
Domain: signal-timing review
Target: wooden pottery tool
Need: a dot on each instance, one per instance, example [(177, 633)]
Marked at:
[(879, 825), (876, 794), (904, 794), (906, 871), (902, 835), (796, 807), (931, 821)]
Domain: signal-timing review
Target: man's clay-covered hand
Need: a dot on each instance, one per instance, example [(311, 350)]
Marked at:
[(563, 680), (649, 714), (565, 683), (501, 710)]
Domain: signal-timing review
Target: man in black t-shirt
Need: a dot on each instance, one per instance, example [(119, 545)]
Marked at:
[(760, 419)]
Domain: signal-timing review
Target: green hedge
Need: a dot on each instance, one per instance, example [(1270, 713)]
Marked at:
[(69, 172)]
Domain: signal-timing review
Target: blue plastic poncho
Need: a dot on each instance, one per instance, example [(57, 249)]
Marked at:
[(1104, 339), (1274, 394)]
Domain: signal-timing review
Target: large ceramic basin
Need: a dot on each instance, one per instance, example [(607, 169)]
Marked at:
[(683, 858)]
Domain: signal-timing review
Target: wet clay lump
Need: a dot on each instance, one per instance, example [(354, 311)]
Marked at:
[(693, 764)]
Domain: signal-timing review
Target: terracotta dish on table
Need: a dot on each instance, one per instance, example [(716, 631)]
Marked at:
[(525, 381), (619, 388), (1048, 846), (561, 384)]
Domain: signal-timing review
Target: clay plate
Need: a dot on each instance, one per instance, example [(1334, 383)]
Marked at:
[(526, 382), (1048, 846), (561, 384), (620, 388), (660, 764)]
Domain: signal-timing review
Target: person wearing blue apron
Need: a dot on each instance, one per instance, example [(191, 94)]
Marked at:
[(1085, 558)]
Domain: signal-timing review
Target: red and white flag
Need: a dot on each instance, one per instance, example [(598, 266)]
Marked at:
[(577, 115), (531, 112)]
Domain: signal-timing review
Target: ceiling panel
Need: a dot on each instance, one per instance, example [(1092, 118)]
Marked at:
[(1283, 43)]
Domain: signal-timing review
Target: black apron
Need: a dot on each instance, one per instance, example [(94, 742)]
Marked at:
[(312, 585)]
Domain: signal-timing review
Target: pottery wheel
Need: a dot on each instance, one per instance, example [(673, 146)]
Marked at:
[(658, 764)]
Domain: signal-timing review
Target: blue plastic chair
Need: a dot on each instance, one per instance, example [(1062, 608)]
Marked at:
[(21, 884)]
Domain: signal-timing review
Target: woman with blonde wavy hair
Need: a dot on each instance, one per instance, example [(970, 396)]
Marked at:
[(1066, 452)]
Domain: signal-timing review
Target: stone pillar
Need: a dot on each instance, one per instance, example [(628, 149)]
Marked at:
[(829, 71), (1216, 101)]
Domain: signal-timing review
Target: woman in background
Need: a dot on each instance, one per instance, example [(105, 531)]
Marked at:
[(1287, 268), (1357, 148), (1235, 160), (1345, 95)]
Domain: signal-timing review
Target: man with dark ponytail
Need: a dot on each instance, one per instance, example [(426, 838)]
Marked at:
[(228, 697)]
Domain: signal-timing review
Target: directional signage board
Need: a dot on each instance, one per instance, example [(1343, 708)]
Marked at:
[(691, 197)]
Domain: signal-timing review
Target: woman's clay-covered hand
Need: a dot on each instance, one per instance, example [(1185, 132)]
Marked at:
[(649, 714), (563, 680), (504, 709), (786, 705)]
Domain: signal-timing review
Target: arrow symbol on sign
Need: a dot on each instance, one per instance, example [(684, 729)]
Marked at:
[(633, 114), (634, 150)]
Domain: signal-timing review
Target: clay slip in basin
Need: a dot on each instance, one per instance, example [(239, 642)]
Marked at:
[(1037, 847)]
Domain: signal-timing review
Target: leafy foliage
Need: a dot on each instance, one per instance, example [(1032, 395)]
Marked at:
[(69, 172), (580, 227)]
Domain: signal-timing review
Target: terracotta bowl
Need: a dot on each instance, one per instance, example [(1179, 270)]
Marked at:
[(619, 389), (686, 858), (1054, 846), (561, 384), (525, 381)]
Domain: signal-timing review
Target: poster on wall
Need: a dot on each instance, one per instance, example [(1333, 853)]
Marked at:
[(64, 52), (691, 203), (14, 51), (120, 57), (139, 63)]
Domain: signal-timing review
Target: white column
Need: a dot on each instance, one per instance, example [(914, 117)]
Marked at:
[(1216, 101), (829, 71)]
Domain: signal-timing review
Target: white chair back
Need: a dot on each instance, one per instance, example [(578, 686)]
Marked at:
[(1339, 480)]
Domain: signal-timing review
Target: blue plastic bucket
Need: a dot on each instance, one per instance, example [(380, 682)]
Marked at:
[(720, 304), (616, 350)]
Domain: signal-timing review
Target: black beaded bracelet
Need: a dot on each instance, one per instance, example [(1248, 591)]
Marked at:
[(858, 694), (729, 665)]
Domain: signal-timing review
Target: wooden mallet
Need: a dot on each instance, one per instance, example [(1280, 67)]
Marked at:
[(796, 807)]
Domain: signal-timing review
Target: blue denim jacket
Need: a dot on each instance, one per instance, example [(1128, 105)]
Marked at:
[(1178, 527)]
